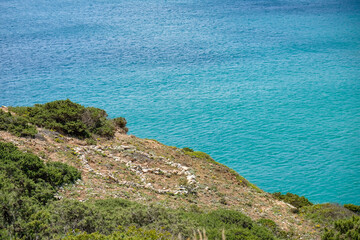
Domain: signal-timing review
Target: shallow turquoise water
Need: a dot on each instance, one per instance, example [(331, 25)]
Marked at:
[(269, 88)]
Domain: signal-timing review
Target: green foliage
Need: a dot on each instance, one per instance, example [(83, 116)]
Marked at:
[(63, 116), (91, 141), (130, 233), (271, 226), (197, 154), (121, 123), (18, 126), (70, 118), (352, 207), (235, 225), (60, 173), (293, 199), (348, 229), (187, 149), (99, 219), (326, 214), (26, 185)]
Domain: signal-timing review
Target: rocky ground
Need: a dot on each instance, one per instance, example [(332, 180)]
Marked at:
[(147, 171)]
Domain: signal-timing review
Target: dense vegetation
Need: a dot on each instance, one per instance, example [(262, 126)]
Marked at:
[(326, 214), (17, 125), (352, 207), (69, 118), (26, 185), (338, 222), (102, 218), (131, 233), (341, 220), (344, 229)]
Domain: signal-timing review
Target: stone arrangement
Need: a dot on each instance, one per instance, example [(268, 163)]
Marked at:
[(191, 184)]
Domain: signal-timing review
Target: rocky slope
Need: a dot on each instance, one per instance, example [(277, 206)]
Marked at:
[(147, 171)]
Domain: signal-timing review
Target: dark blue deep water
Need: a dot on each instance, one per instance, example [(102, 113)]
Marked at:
[(270, 88)]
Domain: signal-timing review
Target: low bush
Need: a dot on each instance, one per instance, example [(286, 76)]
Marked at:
[(235, 225), (325, 214), (121, 123), (293, 199), (197, 154), (348, 229), (274, 228), (60, 173), (27, 184), (101, 218), (16, 125), (187, 149), (70, 118), (352, 207), (130, 233)]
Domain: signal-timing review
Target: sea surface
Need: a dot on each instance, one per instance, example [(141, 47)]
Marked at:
[(270, 88)]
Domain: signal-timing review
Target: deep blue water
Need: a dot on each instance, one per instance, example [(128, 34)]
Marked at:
[(269, 88)]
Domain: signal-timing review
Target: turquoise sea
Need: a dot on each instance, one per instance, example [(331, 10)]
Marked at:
[(271, 88)]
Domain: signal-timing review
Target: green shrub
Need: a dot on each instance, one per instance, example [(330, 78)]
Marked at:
[(60, 173), (63, 116), (106, 130), (325, 214), (16, 125), (91, 141), (70, 118), (104, 217), (120, 122), (293, 199), (187, 149), (93, 118), (130, 233), (235, 225), (197, 154), (273, 227), (348, 229), (27, 184), (353, 208)]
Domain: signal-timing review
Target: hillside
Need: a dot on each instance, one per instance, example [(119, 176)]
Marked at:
[(121, 166)]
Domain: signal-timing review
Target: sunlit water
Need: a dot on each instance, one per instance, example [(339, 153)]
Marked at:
[(269, 88)]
